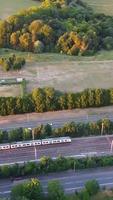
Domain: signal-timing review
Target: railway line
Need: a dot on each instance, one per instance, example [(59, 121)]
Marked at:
[(80, 147)]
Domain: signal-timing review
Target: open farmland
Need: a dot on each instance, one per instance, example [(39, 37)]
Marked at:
[(101, 6), (66, 73), (12, 6)]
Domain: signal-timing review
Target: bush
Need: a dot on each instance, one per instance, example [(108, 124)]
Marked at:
[(92, 187), (68, 26), (12, 63)]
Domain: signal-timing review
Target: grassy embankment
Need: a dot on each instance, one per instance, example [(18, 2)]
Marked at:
[(101, 6), (10, 7)]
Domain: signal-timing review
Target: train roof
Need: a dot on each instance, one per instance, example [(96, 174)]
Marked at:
[(4, 144), (28, 141), (56, 138), (24, 142), (20, 142)]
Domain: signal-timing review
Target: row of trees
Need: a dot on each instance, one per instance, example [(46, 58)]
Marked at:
[(12, 62), (32, 189), (47, 165), (48, 99), (69, 129), (65, 26)]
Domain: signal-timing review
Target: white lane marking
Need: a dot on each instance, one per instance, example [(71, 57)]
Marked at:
[(106, 184), (6, 192), (76, 181), (76, 188)]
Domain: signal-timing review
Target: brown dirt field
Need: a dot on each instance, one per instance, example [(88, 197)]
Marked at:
[(70, 76), (11, 90)]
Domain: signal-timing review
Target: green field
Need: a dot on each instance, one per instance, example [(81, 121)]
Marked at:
[(55, 57), (9, 7), (12, 6), (101, 6)]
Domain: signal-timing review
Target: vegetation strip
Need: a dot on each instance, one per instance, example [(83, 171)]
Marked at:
[(101, 127), (48, 99), (47, 165), (33, 189), (69, 27)]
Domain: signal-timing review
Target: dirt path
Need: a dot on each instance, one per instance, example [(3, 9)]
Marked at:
[(56, 115)]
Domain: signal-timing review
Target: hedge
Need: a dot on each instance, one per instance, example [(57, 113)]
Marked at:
[(47, 165)]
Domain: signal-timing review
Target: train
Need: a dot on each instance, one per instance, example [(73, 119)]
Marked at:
[(22, 144)]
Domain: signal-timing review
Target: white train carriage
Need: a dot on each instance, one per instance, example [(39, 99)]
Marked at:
[(36, 142), (61, 140), (4, 146), (21, 144), (58, 140), (25, 144), (46, 141)]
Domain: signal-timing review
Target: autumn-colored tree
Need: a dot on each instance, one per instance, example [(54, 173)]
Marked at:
[(26, 41), (14, 39)]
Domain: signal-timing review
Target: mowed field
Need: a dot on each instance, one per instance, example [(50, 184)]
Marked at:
[(9, 7), (65, 73), (11, 90), (101, 6), (70, 76)]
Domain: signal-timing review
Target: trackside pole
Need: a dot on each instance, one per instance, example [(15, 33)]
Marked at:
[(102, 128), (112, 146), (33, 138)]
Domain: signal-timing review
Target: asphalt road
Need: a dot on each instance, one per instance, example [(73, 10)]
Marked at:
[(70, 180), (28, 121), (79, 147)]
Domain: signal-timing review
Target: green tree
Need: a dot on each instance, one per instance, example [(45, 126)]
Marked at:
[(83, 195), (5, 29), (38, 46), (92, 187), (55, 191), (46, 131), (31, 190), (5, 171), (38, 96), (50, 98), (45, 164), (26, 134), (15, 135), (1, 136)]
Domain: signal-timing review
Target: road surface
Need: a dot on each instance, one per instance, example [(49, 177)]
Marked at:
[(70, 180), (57, 118), (79, 147)]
